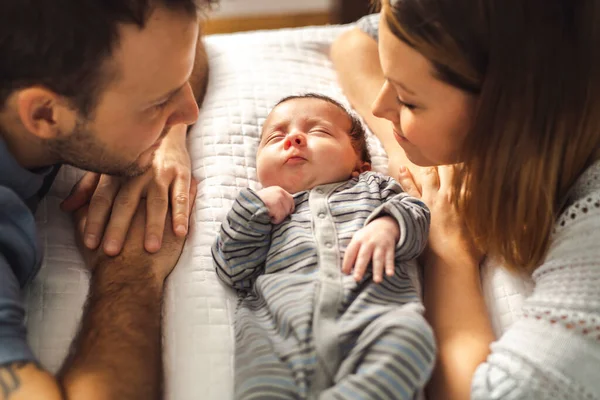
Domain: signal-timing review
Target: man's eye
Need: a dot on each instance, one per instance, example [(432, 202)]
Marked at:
[(160, 106)]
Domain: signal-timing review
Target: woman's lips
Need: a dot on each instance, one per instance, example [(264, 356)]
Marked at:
[(399, 137)]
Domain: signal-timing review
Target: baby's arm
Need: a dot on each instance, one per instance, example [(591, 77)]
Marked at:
[(241, 248), (411, 214), (395, 231)]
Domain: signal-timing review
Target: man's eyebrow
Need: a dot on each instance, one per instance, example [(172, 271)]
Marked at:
[(407, 90)]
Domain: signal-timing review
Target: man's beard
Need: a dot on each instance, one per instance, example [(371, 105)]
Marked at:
[(83, 150)]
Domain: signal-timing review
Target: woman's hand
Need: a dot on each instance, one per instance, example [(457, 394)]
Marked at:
[(113, 201), (448, 236)]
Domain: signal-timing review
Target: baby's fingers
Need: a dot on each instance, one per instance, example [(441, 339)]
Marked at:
[(378, 264), (390, 265), (350, 256), (362, 261)]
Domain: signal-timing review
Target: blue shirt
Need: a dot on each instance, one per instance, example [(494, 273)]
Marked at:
[(20, 253)]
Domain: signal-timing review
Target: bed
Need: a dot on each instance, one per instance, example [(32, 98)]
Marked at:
[(249, 73)]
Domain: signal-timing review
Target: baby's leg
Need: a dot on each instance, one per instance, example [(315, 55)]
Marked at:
[(392, 359), (267, 366)]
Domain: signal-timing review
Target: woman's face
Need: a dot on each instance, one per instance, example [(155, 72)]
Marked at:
[(430, 118)]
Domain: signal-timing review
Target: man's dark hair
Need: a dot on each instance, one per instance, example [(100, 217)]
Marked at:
[(62, 44), (357, 130)]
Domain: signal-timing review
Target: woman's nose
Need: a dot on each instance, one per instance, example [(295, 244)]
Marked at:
[(385, 105)]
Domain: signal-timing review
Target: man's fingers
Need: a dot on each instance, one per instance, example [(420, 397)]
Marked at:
[(81, 193), (99, 211), (123, 209), (180, 204), (193, 194), (80, 219), (350, 256), (157, 205)]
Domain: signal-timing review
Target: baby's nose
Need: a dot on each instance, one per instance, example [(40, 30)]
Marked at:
[(294, 139)]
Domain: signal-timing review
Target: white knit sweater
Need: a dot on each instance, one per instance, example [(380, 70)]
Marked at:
[(553, 351)]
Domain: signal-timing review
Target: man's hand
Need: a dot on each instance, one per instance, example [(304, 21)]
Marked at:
[(279, 202), (134, 256), (375, 242), (113, 201)]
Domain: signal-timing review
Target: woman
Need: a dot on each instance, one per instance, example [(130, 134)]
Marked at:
[(509, 90)]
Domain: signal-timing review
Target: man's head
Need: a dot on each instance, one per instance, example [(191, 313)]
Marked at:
[(95, 83), (310, 140)]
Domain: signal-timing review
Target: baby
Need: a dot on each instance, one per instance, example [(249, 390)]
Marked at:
[(305, 328)]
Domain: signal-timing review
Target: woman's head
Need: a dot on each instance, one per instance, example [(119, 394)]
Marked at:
[(509, 88)]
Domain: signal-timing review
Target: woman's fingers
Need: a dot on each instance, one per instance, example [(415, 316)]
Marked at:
[(430, 179), (406, 180)]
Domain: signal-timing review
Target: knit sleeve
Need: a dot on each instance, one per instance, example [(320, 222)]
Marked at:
[(369, 25), (553, 351)]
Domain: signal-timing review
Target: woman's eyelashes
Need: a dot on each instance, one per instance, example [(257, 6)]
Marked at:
[(405, 104)]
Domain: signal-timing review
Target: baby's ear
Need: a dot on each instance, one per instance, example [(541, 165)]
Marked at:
[(365, 167)]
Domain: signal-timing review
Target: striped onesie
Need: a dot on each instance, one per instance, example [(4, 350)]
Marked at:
[(303, 329)]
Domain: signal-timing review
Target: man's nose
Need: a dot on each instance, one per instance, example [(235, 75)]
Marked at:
[(295, 139)]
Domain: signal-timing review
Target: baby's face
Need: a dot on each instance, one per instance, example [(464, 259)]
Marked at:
[(305, 143)]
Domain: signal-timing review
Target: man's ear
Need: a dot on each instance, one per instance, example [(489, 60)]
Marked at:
[(43, 113)]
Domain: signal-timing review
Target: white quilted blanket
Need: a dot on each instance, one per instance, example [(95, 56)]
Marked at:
[(249, 73)]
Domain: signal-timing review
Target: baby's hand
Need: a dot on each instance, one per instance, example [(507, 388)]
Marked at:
[(376, 242), (279, 202)]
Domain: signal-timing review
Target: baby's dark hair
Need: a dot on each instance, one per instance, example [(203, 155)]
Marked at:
[(357, 130)]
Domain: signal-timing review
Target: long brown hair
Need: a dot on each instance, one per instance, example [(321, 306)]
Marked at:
[(535, 67)]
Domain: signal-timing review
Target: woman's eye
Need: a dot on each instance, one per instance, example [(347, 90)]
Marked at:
[(407, 105)]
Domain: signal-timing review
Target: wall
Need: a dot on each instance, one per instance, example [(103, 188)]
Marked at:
[(237, 8)]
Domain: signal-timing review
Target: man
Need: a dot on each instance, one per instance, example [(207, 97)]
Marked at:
[(104, 86)]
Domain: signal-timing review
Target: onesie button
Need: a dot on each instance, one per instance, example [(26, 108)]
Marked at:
[(320, 191), (321, 215), (328, 245)]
